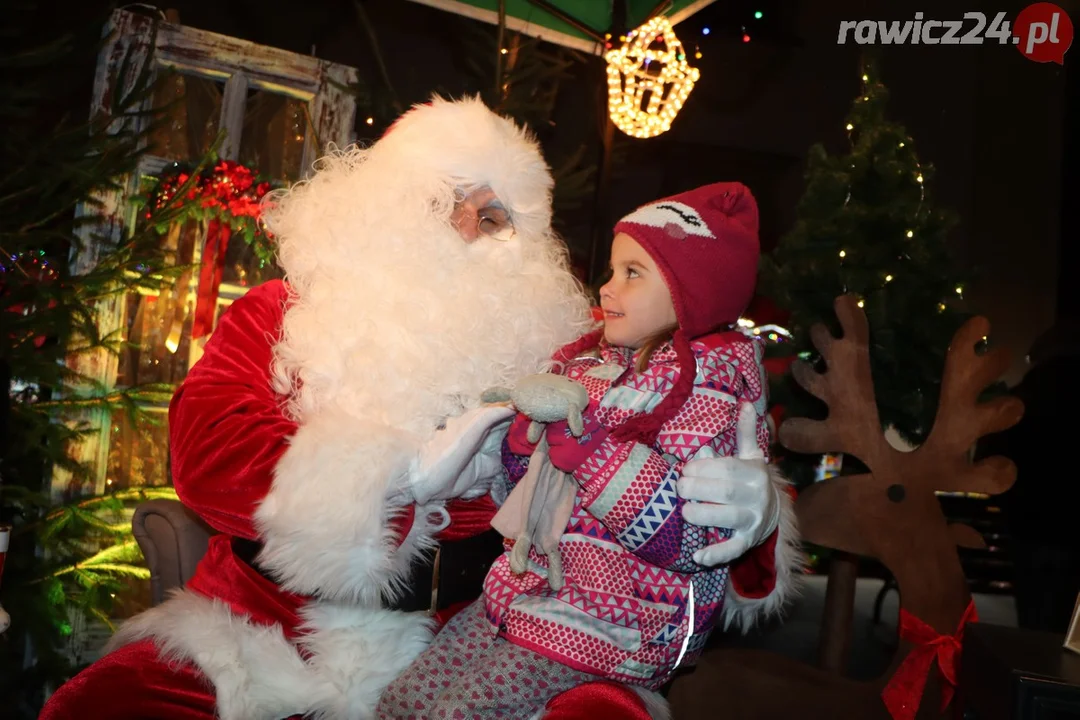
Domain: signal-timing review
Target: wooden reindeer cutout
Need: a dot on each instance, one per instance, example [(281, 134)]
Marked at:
[(890, 513)]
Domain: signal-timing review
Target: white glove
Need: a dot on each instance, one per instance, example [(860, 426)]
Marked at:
[(463, 458), (732, 492)]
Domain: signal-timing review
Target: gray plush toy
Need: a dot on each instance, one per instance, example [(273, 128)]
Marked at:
[(536, 513)]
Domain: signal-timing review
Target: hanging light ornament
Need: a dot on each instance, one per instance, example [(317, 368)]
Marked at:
[(647, 83)]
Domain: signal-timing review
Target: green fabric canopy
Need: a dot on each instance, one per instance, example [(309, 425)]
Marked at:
[(524, 17)]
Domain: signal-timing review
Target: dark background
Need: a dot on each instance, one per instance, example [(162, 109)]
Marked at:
[(992, 122)]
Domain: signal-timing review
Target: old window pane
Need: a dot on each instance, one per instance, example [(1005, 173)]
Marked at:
[(138, 451), (243, 267), (158, 327), (275, 128), (192, 118)]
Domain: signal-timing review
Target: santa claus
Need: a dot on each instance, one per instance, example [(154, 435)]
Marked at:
[(333, 430)]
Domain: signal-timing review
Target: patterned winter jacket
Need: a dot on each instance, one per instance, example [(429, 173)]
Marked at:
[(633, 590)]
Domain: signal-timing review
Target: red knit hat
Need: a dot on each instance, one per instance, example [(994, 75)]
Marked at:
[(705, 243)]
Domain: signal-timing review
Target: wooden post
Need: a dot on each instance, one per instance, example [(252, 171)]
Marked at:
[(600, 248), (834, 643)]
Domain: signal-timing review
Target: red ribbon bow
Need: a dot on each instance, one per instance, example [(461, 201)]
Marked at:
[(903, 694)]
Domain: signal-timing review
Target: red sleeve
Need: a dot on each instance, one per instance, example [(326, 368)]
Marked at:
[(226, 427), (754, 574)]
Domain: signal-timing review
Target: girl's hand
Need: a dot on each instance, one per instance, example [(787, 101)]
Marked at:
[(567, 452)]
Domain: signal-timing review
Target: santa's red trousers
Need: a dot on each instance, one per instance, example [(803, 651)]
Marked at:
[(133, 684)]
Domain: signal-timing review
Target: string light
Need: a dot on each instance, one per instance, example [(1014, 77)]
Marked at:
[(860, 303), (850, 126), (757, 15), (647, 87), (745, 38), (910, 233), (941, 307), (888, 278), (371, 121), (773, 332), (843, 253), (918, 178)]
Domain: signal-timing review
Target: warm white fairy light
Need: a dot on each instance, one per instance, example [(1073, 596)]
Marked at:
[(647, 87), (843, 253)]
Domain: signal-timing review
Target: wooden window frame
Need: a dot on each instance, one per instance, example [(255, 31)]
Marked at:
[(140, 39)]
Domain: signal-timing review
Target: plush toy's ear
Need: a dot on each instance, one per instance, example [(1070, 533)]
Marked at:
[(495, 395), (536, 431), (575, 421)]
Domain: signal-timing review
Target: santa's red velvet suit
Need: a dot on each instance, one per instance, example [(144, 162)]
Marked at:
[(286, 614)]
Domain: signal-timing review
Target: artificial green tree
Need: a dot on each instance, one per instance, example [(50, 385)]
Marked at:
[(71, 552), (867, 225)]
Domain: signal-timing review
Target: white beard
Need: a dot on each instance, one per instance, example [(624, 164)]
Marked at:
[(394, 318)]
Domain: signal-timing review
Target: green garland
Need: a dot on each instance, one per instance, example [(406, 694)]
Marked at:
[(224, 190)]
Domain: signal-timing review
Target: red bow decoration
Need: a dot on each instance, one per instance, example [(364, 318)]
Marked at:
[(903, 694), (211, 270)]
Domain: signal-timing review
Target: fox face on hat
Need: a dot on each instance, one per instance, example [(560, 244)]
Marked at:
[(705, 243)]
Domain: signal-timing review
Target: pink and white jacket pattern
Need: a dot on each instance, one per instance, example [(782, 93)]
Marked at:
[(632, 589)]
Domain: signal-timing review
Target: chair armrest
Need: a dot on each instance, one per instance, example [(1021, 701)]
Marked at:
[(172, 539)]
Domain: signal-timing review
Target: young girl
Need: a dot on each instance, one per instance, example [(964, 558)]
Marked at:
[(669, 382)]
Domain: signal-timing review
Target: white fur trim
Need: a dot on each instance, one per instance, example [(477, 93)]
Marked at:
[(257, 674), (360, 652), (655, 703), (465, 140), (325, 522), (744, 613)]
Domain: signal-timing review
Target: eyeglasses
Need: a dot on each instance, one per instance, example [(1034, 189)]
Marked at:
[(492, 220)]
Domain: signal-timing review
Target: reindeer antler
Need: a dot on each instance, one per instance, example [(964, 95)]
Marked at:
[(961, 419), (846, 387)]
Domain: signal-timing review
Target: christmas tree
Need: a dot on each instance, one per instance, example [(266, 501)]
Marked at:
[(867, 225), (71, 552)]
